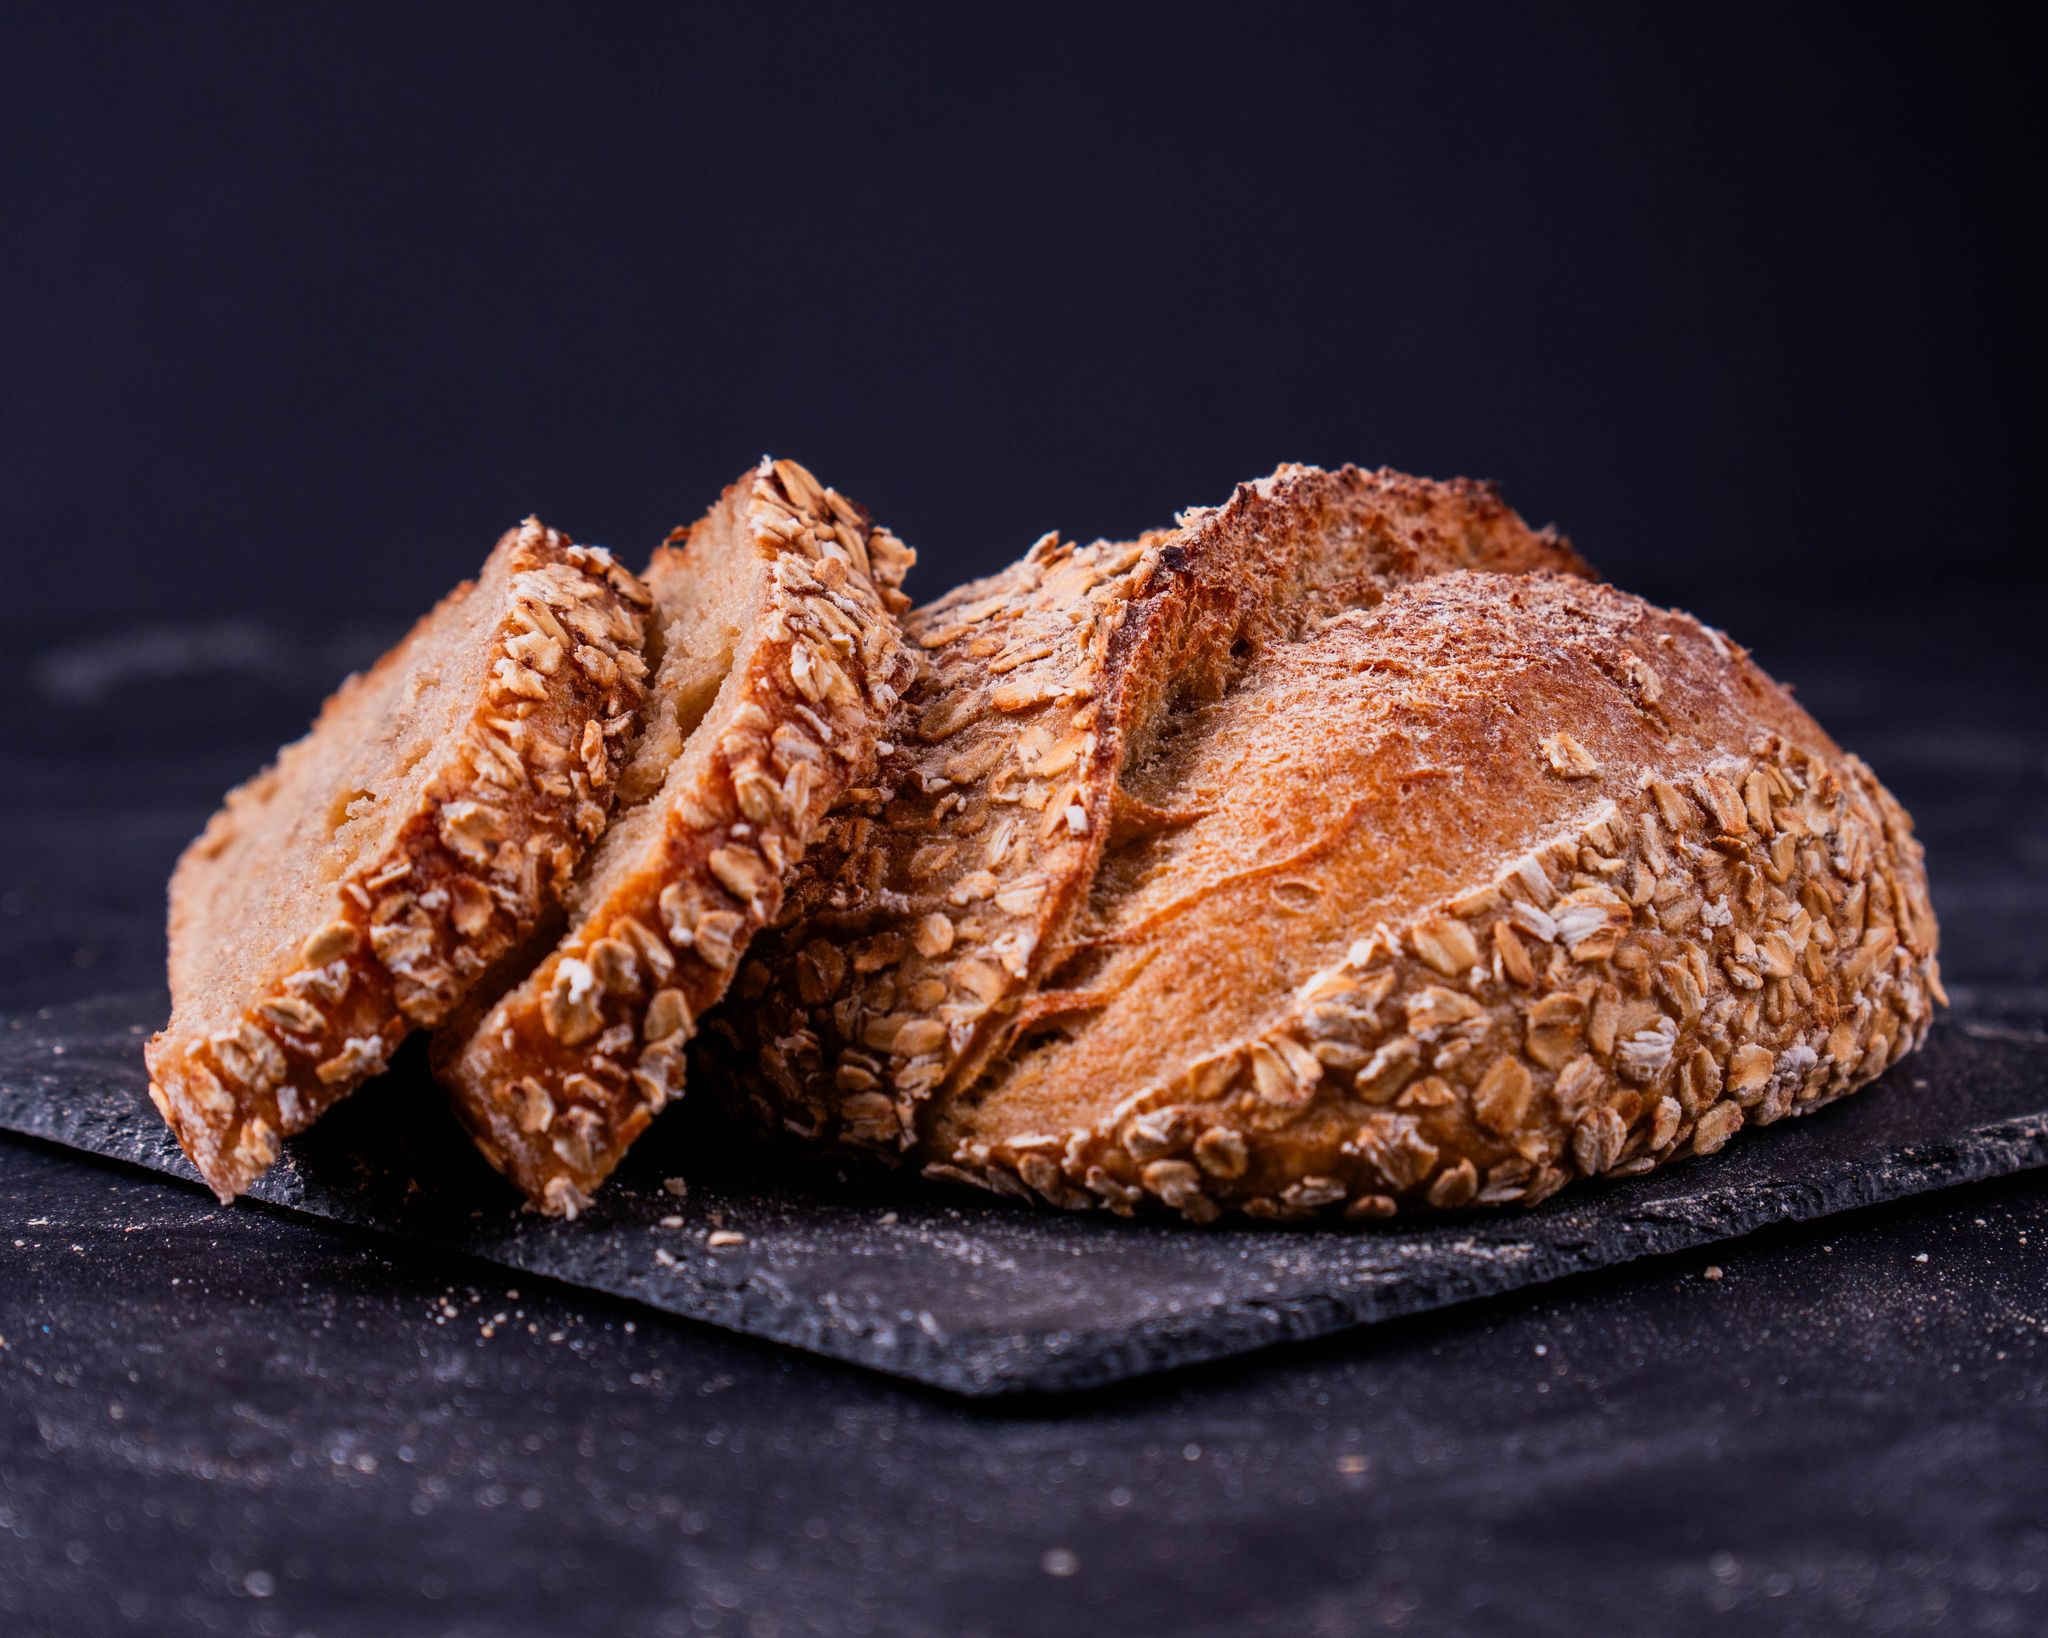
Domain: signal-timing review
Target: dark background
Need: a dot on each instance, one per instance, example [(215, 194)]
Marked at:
[(303, 304), (300, 305)]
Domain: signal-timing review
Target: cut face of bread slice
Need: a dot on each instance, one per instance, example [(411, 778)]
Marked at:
[(353, 890), (780, 660), (919, 940), (1500, 882)]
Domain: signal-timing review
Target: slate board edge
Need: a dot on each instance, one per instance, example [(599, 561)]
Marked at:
[(1996, 1150), (996, 1368)]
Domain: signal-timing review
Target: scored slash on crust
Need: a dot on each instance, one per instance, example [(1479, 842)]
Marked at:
[(1606, 1023)]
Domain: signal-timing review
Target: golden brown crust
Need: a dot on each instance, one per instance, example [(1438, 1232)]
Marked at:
[(490, 843), (1632, 900), (919, 933), (561, 1075)]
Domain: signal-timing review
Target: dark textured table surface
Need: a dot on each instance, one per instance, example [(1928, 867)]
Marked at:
[(244, 1421)]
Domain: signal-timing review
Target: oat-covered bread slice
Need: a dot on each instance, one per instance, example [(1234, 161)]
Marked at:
[(780, 661), (353, 890), (919, 939), (1502, 881)]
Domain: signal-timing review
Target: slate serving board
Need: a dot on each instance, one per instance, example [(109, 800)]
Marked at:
[(114, 746), (982, 1297)]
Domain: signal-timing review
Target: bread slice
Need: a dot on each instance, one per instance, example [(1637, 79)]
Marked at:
[(1503, 881), (354, 889), (919, 940), (780, 662)]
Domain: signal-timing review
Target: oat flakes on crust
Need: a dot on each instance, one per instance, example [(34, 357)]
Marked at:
[(352, 891), (918, 937), (725, 794), (1504, 882)]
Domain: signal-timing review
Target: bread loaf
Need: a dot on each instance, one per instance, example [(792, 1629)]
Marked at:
[(1505, 881), (779, 662), (355, 889), (1344, 849), (1386, 886)]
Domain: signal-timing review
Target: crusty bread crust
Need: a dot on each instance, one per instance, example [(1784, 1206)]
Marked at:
[(570, 1066), (1506, 881), (490, 843)]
